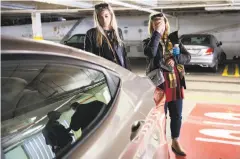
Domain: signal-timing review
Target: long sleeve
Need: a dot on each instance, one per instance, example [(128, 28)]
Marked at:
[(88, 43), (151, 46)]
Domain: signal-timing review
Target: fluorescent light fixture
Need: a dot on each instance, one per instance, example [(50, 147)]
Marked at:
[(16, 6), (145, 2), (222, 8), (70, 3), (130, 6)]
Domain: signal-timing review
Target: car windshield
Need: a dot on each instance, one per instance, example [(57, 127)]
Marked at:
[(196, 40)]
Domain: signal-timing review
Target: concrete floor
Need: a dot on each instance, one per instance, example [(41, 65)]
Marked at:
[(203, 86)]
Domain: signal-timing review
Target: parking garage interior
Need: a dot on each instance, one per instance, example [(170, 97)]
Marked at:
[(210, 89)]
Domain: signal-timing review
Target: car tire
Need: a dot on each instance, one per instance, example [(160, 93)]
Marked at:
[(215, 68), (223, 58)]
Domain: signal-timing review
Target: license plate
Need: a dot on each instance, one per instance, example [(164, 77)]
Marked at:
[(193, 51)]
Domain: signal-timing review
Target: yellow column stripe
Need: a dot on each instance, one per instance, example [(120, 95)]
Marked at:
[(225, 71), (38, 38), (236, 71)]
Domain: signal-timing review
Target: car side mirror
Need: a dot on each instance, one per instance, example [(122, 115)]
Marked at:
[(219, 43)]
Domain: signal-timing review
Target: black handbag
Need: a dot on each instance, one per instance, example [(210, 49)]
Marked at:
[(156, 76)]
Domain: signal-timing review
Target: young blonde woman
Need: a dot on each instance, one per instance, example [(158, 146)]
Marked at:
[(161, 56), (106, 38)]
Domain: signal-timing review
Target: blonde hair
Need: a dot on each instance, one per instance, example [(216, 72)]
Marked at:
[(166, 32), (100, 31)]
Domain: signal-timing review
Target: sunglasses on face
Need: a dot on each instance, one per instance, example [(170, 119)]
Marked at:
[(156, 16), (101, 6)]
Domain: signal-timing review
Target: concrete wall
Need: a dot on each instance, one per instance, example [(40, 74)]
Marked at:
[(225, 27)]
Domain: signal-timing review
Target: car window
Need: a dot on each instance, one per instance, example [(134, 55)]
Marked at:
[(73, 39), (196, 40), (46, 106), (81, 39), (77, 39)]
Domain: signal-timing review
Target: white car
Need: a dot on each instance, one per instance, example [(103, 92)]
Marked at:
[(205, 50)]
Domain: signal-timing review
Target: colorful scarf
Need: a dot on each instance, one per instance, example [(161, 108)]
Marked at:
[(168, 54)]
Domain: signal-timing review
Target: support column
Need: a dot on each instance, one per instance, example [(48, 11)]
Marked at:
[(37, 26)]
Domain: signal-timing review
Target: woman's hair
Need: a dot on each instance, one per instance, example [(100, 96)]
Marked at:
[(113, 23), (166, 32)]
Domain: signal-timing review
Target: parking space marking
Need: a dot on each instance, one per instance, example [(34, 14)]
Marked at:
[(236, 70)]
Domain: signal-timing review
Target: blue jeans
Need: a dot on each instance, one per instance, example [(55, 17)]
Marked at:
[(175, 113)]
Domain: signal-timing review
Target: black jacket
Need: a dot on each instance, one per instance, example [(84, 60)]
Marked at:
[(153, 51), (90, 45)]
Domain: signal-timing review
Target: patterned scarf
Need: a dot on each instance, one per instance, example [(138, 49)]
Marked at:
[(168, 54)]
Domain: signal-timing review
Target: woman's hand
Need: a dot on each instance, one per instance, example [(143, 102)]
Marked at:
[(170, 62), (160, 26)]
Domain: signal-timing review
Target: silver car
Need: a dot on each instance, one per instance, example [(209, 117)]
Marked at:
[(62, 102), (205, 50)]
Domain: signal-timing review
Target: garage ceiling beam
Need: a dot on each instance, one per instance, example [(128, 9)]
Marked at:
[(69, 3), (222, 8), (7, 5)]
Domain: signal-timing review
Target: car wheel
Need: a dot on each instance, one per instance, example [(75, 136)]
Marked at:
[(215, 68), (223, 58)]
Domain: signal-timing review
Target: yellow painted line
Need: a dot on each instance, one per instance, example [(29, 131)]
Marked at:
[(225, 71), (38, 38), (236, 71)]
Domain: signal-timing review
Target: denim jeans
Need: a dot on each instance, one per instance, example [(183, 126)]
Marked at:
[(175, 113)]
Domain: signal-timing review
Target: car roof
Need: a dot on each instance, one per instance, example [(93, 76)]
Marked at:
[(25, 45)]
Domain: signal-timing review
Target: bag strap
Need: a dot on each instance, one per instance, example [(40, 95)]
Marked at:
[(113, 51)]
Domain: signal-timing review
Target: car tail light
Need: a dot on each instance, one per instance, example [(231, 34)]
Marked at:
[(159, 97), (209, 51)]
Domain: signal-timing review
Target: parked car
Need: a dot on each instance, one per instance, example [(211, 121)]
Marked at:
[(205, 50), (76, 41), (62, 102)]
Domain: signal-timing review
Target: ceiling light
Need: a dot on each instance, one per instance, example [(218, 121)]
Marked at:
[(145, 2), (130, 6)]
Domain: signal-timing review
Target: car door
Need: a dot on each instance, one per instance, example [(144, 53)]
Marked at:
[(40, 96), (149, 141)]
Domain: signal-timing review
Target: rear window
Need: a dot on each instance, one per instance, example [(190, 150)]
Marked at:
[(195, 40)]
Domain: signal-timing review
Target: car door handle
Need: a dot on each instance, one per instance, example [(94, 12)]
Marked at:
[(136, 126)]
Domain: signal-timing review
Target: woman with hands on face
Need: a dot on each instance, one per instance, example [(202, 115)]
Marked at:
[(161, 55)]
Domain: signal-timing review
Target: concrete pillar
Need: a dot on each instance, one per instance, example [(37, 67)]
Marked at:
[(37, 26)]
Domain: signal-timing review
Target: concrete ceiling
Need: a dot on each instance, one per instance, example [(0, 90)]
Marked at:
[(85, 7)]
